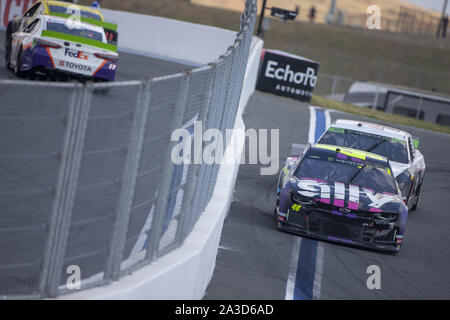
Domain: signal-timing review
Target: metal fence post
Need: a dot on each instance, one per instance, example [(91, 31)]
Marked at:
[(193, 174), (419, 108), (333, 86), (375, 98), (211, 169), (168, 168), (59, 224), (129, 182)]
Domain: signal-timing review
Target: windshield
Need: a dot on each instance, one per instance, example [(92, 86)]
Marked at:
[(393, 149), (367, 175), (78, 30), (70, 10)]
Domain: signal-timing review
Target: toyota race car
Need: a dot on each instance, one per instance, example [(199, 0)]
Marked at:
[(341, 195), (54, 45), (63, 10), (408, 165)]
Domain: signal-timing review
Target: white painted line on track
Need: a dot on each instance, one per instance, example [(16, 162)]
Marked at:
[(327, 119), (319, 270), (290, 286), (312, 124)]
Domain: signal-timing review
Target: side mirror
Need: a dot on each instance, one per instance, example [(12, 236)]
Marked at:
[(415, 141)]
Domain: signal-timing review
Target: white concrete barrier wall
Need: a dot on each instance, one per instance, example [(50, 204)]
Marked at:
[(185, 272), (179, 40)]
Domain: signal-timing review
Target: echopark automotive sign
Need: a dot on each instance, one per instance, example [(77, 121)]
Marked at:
[(287, 75)]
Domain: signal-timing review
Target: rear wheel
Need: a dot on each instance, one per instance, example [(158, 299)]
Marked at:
[(18, 66), (414, 207), (8, 43), (8, 54)]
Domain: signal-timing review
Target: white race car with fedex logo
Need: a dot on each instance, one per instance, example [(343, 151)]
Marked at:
[(407, 162), (64, 48)]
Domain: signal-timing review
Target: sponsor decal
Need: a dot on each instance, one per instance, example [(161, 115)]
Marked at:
[(321, 190), (75, 66), (288, 75), (75, 54)]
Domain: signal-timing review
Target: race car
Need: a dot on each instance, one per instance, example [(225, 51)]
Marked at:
[(408, 164), (63, 10), (341, 195), (56, 45)]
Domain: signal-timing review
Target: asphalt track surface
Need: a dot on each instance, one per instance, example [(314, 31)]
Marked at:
[(255, 259)]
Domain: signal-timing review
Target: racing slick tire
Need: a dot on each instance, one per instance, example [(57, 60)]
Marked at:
[(275, 217), (18, 68), (8, 54), (414, 207), (8, 43)]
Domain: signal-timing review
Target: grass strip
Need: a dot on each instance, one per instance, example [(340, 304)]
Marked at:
[(377, 114)]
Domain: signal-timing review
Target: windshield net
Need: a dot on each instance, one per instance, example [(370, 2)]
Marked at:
[(369, 175), (393, 149), (71, 10), (75, 30)]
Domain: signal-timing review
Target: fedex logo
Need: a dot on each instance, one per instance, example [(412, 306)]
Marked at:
[(76, 54)]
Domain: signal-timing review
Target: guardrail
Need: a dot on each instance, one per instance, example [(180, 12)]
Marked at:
[(87, 185)]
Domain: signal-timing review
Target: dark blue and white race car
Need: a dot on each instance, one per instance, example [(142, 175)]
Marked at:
[(341, 195)]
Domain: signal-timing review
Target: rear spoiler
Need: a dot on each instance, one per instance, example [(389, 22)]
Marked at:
[(68, 37)]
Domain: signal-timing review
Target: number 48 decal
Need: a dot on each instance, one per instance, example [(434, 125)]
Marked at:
[(296, 207)]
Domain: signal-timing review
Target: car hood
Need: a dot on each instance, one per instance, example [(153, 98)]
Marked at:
[(341, 195)]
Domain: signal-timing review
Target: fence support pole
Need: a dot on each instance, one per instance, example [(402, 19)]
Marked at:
[(167, 173), (333, 87), (193, 174), (59, 225), (419, 108), (128, 183)]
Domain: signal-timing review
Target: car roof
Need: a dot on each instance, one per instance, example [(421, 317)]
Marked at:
[(354, 154), (68, 4), (372, 128)]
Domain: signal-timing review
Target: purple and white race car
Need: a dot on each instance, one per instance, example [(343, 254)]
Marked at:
[(62, 48), (342, 195)]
